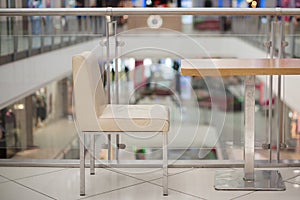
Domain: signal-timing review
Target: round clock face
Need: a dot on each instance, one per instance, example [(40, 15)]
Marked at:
[(154, 21)]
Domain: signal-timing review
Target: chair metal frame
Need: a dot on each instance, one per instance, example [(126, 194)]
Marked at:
[(92, 160), (87, 111)]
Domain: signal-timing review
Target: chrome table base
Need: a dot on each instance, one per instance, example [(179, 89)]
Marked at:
[(264, 180), (249, 178)]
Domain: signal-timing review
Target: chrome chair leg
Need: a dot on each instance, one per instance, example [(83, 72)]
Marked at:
[(82, 164), (117, 147), (165, 164), (92, 154), (109, 147)]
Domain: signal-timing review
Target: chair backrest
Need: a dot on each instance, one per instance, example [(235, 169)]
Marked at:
[(89, 95)]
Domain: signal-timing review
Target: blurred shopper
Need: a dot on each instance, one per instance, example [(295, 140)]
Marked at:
[(113, 74), (125, 4), (126, 69), (80, 4), (176, 67), (99, 21), (35, 20), (297, 17), (208, 4), (41, 111), (2, 139)]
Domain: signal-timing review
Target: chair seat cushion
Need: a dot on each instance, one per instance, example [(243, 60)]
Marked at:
[(134, 118)]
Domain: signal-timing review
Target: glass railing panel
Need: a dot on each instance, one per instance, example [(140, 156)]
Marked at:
[(41, 125), (6, 36), (292, 50), (23, 43), (199, 130), (7, 46), (207, 115), (27, 36)]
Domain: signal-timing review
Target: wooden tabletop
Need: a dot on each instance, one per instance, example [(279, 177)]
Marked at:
[(239, 67)]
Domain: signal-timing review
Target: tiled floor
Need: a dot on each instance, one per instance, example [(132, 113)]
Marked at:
[(186, 183)]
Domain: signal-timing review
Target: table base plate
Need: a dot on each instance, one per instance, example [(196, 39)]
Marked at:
[(264, 180)]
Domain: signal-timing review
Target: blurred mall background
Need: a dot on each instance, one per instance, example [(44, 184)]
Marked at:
[(36, 116)]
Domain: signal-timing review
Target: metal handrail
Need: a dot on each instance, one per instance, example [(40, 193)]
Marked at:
[(147, 11)]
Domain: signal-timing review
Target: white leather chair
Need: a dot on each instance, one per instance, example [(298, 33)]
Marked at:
[(93, 114)]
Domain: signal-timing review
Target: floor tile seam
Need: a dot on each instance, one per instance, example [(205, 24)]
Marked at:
[(291, 178), (42, 174), (141, 179), (182, 172), (32, 189), (145, 182), (151, 180), (117, 172), (290, 182), (6, 181), (243, 195), (192, 195), (113, 190)]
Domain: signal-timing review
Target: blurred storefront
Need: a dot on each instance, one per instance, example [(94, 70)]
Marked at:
[(20, 121)]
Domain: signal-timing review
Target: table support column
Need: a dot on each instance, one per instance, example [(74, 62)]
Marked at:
[(249, 128), (249, 179)]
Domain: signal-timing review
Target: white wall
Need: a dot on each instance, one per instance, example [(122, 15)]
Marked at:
[(21, 78)]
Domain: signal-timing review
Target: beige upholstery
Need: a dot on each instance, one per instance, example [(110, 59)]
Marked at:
[(94, 114), (89, 95), (134, 118)]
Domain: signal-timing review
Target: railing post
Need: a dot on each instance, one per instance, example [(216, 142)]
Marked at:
[(29, 37), (116, 63), (15, 37), (108, 21), (270, 109), (282, 44), (0, 36), (42, 34), (116, 84), (293, 39), (249, 128), (61, 38), (52, 33)]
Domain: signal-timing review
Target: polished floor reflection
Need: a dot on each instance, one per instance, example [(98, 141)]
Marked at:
[(193, 133), (142, 183)]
